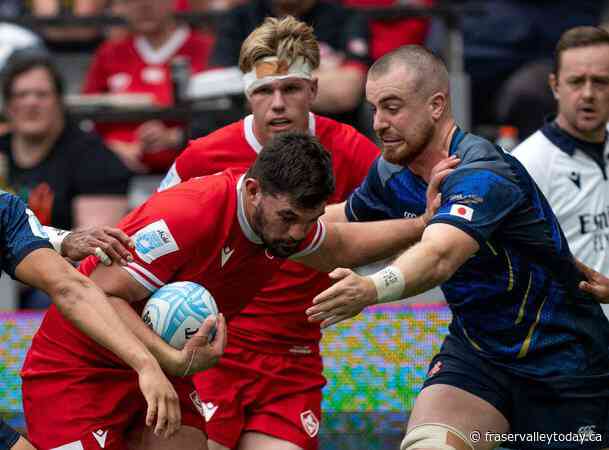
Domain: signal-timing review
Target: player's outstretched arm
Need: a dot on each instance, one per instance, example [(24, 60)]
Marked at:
[(86, 306), (596, 283), (357, 244), (435, 259)]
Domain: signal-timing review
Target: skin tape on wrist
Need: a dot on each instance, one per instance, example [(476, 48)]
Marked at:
[(389, 283), (56, 237)]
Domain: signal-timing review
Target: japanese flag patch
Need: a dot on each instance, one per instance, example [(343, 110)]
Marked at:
[(465, 212)]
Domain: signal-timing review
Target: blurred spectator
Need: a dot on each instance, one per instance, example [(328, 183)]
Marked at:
[(68, 34), (140, 63), (179, 6), (505, 35), (12, 8), (344, 45), (67, 177), (389, 34), (206, 5)]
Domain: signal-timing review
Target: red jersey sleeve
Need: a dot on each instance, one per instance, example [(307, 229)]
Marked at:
[(169, 228)]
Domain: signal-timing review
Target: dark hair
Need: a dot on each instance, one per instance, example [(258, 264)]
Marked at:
[(24, 62), (295, 164), (579, 37)]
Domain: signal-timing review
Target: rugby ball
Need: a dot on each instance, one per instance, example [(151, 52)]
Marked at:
[(176, 311)]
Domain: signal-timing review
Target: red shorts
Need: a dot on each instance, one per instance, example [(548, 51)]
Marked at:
[(92, 408), (275, 394)]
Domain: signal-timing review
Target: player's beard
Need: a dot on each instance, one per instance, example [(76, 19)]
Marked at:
[(413, 146), (281, 248)]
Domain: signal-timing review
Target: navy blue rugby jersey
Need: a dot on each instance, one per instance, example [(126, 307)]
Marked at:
[(20, 232), (516, 301)]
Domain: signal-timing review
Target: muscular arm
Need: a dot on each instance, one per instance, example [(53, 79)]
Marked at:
[(442, 250), (356, 244), (83, 303)]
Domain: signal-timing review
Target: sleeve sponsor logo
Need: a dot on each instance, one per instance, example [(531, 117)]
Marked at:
[(153, 241), (465, 199)]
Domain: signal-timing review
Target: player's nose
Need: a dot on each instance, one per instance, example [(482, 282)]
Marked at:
[(278, 100)]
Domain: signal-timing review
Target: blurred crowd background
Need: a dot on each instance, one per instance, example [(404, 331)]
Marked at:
[(100, 96)]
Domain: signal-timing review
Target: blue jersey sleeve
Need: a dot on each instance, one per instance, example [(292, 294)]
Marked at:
[(477, 201), (21, 232), (368, 202)]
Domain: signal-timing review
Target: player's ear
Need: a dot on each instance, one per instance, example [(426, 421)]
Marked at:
[(314, 88), (437, 104), (252, 190), (553, 82)]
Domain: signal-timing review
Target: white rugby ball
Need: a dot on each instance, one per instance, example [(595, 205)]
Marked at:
[(176, 311)]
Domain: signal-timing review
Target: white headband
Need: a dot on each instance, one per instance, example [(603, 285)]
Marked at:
[(272, 69)]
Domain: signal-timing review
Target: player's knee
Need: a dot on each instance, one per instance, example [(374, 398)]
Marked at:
[(435, 436)]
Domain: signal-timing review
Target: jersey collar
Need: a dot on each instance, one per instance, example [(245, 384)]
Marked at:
[(246, 228), (568, 144), (458, 136)]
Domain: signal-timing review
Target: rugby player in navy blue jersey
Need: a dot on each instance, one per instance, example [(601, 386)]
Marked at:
[(527, 349)]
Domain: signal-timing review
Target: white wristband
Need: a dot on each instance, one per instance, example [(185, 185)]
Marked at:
[(56, 237), (389, 283)]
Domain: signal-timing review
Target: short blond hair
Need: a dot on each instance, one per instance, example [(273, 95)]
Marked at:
[(286, 38)]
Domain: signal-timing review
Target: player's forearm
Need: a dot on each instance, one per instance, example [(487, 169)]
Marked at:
[(424, 266), (367, 242), (85, 305), (164, 354)]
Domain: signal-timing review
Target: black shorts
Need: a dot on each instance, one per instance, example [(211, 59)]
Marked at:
[(8, 436), (555, 413)]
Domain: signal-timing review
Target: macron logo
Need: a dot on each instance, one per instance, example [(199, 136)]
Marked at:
[(225, 255), (209, 409), (100, 436), (575, 177)]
